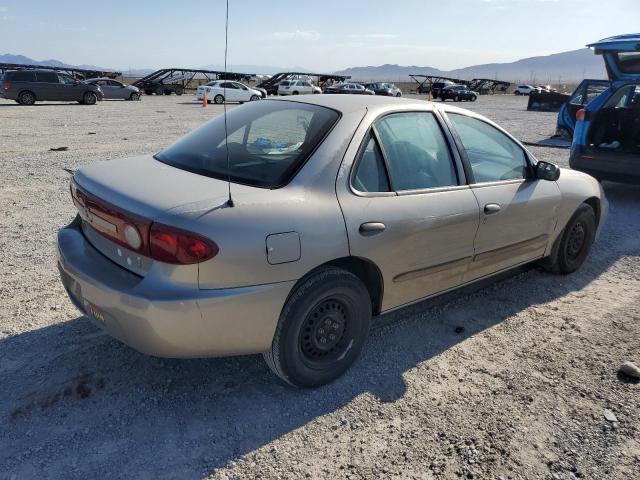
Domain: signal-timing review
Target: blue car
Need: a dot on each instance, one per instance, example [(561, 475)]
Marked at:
[(606, 114)]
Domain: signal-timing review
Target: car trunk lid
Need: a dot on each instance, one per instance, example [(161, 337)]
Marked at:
[(138, 191), (621, 56)]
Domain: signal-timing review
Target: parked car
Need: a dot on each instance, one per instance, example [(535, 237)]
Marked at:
[(284, 226), (115, 90), (220, 91), (348, 88), (386, 89), (437, 86), (30, 86), (297, 87), (606, 140), (458, 93), (526, 90)]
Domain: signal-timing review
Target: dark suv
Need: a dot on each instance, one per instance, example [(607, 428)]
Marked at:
[(29, 86)]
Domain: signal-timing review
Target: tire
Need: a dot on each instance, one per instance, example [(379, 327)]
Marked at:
[(456, 98), (219, 99), (148, 92), (159, 91), (254, 98), (575, 243), (295, 93), (517, 93), (179, 91), (89, 98), (399, 94), (322, 328), (26, 98), (134, 97), (167, 92), (474, 98)]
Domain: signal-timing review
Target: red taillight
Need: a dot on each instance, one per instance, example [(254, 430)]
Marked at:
[(160, 242), (580, 114), (171, 245), (6, 85)]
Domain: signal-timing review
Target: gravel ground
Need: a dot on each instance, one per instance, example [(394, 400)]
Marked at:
[(510, 381)]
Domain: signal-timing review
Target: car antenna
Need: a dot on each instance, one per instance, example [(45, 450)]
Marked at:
[(224, 105)]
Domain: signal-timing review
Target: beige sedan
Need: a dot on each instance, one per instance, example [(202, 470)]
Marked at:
[(285, 229)]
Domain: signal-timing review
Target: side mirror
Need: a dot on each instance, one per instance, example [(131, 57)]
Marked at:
[(547, 171)]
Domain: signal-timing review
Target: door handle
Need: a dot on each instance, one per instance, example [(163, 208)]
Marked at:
[(491, 208), (372, 228)]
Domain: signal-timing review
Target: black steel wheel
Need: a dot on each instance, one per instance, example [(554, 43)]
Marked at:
[(322, 328), (575, 243), (27, 98)]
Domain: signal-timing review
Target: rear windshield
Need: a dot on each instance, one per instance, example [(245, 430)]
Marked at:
[(628, 62), (268, 141)]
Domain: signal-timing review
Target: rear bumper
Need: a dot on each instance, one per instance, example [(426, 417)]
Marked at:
[(607, 165), (162, 319)]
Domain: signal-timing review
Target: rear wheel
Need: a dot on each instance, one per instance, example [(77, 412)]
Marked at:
[(159, 91), (322, 328), (167, 92), (219, 99), (148, 92), (517, 92), (27, 98), (457, 98), (179, 91), (89, 98), (295, 93), (576, 241), (399, 94)]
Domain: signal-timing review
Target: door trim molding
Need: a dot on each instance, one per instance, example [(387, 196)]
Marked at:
[(421, 272)]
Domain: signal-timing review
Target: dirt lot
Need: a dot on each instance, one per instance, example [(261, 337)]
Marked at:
[(511, 381)]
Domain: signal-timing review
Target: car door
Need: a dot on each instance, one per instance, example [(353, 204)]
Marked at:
[(518, 212), (587, 91), (70, 88), (48, 86), (111, 89), (244, 94), (407, 207), (231, 92)]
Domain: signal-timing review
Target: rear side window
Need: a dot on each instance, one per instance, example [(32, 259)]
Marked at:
[(47, 77), (24, 76), (416, 150), (371, 175), (267, 142), (492, 154)]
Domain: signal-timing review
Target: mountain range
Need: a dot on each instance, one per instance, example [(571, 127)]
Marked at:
[(556, 68), (566, 66)]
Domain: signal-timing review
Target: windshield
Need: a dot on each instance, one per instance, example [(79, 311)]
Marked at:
[(268, 142)]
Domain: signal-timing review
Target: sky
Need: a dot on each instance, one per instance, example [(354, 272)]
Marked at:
[(324, 35)]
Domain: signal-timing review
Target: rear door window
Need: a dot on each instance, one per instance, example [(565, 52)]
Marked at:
[(47, 77), (371, 175)]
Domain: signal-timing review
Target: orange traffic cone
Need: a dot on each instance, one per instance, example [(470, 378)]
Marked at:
[(205, 102)]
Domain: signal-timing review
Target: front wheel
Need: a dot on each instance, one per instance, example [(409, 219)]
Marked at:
[(179, 91), (322, 328), (134, 97), (399, 94), (219, 99), (90, 98), (254, 98), (576, 241)]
